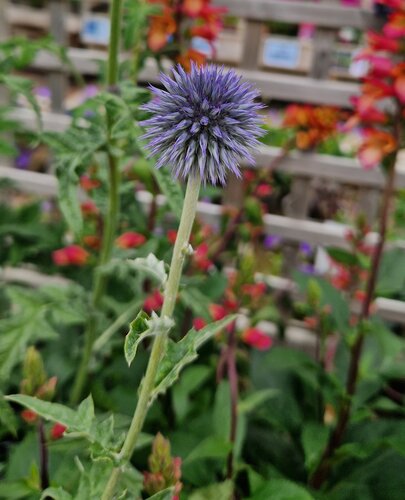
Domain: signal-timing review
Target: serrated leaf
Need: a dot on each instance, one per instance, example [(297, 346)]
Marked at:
[(151, 266), (85, 412), (171, 189), (55, 412), (180, 354), (136, 334), (154, 326)]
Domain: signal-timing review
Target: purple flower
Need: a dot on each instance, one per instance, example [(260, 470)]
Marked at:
[(203, 123), (305, 248), (271, 241)]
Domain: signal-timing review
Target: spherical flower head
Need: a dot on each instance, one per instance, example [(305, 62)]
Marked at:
[(203, 123)]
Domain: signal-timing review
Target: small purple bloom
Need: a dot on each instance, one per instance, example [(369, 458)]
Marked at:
[(307, 269), (203, 123), (271, 241), (305, 248), (23, 160)]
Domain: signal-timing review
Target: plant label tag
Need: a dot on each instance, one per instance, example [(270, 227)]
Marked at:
[(280, 53), (95, 30)]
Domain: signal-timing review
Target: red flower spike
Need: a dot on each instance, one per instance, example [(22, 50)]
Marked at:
[(217, 311), (57, 431), (153, 302), (199, 323), (73, 255), (254, 337), (29, 416), (130, 240)]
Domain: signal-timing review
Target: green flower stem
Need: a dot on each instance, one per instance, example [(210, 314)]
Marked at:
[(111, 219), (122, 320), (159, 344)]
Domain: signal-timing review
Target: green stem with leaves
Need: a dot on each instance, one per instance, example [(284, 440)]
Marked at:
[(111, 219), (159, 344)]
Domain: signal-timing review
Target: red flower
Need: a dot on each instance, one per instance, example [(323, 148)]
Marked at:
[(254, 290), (130, 240), (264, 190), (89, 208), (257, 339), (29, 416), (217, 311), (379, 42), (376, 146), (200, 257), (92, 241), (72, 255), (161, 27), (153, 302), (88, 184), (199, 323), (58, 430), (171, 236)]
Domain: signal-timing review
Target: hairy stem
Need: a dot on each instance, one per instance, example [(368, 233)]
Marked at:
[(322, 472), (159, 343), (100, 280)]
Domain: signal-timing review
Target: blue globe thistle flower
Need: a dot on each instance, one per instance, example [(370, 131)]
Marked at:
[(203, 124)]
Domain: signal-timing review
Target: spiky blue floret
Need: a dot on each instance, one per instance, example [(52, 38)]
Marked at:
[(203, 124)]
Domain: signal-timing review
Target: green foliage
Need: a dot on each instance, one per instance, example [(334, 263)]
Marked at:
[(151, 267), (179, 354), (142, 327), (36, 313), (171, 189)]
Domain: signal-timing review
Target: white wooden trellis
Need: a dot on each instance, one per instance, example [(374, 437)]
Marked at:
[(313, 89)]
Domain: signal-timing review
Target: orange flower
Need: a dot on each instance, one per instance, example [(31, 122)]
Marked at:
[(92, 241), (376, 146), (72, 255), (193, 8), (191, 56), (395, 28), (398, 73), (161, 27)]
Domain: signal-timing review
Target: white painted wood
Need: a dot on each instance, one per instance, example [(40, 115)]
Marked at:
[(331, 15)]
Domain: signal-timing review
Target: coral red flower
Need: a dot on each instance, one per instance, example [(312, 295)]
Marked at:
[(57, 431), (200, 257), (89, 208), (199, 323), (254, 290), (73, 255), (376, 146), (395, 28), (153, 302), (92, 241), (29, 416), (257, 339), (379, 42), (217, 311), (87, 183), (171, 236), (130, 240), (264, 190)]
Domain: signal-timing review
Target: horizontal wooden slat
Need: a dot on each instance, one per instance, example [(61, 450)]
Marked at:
[(330, 15), (271, 85), (344, 170), (19, 15)]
